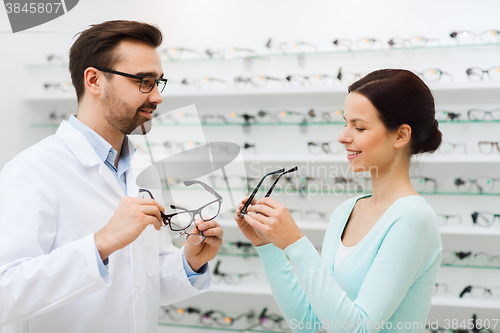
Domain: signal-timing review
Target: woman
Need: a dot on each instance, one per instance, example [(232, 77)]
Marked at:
[(381, 252)]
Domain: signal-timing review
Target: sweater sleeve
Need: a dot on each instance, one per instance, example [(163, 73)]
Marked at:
[(313, 295)]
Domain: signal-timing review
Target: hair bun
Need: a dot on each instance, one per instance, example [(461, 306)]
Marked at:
[(432, 143)]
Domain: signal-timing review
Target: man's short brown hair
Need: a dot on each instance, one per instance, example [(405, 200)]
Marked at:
[(95, 46)]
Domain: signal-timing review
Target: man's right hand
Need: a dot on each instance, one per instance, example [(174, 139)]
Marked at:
[(131, 217), (254, 236)]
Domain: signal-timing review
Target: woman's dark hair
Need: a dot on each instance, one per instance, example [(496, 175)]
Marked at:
[(401, 97), (95, 46)]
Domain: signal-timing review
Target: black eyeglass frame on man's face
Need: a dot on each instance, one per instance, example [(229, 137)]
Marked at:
[(145, 86)]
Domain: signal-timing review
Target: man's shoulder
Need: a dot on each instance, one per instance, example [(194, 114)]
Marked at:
[(43, 151)]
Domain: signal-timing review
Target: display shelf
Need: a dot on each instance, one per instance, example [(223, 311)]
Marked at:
[(464, 88), (473, 231), (470, 266), (217, 328), (466, 303), (388, 50)]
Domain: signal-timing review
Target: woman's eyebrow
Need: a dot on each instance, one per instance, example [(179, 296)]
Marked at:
[(353, 120)]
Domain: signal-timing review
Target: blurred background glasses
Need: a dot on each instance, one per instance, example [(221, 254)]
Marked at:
[(230, 52), (358, 184), (488, 147), (486, 259), (291, 47), (412, 42), (242, 249), (433, 75), (325, 147), (440, 289), (481, 292), (272, 321), (146, 83), (316, 215), (171, 147), (449, 219), (256, 81), (64, 86), (445, 115), (242, 118), (424, 184), (237, 182), (55, 116), (480, 115), (348, 77), (478, 74), (447, 147), (176, 313), (451, 257), (315, 80), (359, 44), (294, 117), (182, 220), (213, 119), (221, 319), (206, 82), (484, 219), (180, 53), (463, 37), (230, 278), (330, 116), (481, 184)]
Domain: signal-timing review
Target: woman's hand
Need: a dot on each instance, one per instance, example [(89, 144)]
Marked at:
[(254, 236), (274, 223)]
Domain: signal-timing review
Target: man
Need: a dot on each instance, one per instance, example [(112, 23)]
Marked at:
[(79, 251)]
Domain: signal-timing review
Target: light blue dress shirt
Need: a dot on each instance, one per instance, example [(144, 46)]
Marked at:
[(108, 154)]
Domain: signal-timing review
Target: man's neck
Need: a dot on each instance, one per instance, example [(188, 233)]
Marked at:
[(111, 135)]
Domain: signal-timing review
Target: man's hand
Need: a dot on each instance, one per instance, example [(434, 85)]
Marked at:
[(253, 235), (199, 255), (131, 217)]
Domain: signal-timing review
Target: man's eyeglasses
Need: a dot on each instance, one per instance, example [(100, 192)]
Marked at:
[(147, 83), (281, 172), (182, 220)]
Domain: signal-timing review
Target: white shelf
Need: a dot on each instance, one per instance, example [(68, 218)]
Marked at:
[(240, 289), (473, 231), (465, 87), (466, 303)]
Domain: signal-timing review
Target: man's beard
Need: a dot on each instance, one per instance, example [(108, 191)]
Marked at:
[(120, 115)]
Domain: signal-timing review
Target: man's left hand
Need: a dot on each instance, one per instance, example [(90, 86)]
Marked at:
[(199, 255)]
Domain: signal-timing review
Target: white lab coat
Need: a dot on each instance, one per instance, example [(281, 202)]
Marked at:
[(53, 197)]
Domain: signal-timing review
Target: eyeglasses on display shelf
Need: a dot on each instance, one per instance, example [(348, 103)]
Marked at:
[(56, 59), (449, 219), (478, 185), (180, 53), (347, 77), (413, 42), (65, 86), (481, 292), (244, 119), (236, 182), (206, 82), (424, 184), (487, 259), (488, 147), (440, 289), (331, 116), (356, 185), (171, 147), (481, 115), (478, 74), (314, 80), (447, 147), (221, 319), (58, 116), (230, 278), (294, 117), (281, 172), (177, 314), (230, 52), (451, 257), (360, 44), (464, 37), (241, 249), (291, 47), (257, 81), (434, 75), (213, 119), (325, 147), (484, 219), (272, 321), (445, 115), (182, 220), (480, 259)]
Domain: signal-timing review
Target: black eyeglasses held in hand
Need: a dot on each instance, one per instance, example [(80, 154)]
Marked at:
[(147, 83), (182, 220), (281, 172)]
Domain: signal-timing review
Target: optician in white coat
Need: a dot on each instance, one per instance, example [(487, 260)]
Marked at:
[(61, 193)]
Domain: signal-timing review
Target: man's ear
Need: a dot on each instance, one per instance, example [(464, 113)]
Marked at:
[(92, 79), (403, 136)]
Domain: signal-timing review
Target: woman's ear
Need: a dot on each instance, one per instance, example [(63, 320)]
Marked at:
[(403, 136)]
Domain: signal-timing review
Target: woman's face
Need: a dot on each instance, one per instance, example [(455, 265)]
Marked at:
[(365, 137)]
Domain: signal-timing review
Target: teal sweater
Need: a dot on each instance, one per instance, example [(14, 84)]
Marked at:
[(384, 285)]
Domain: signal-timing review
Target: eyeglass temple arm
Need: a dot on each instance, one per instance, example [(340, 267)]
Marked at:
[(277, 179), (249, 201), (205, 186)]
